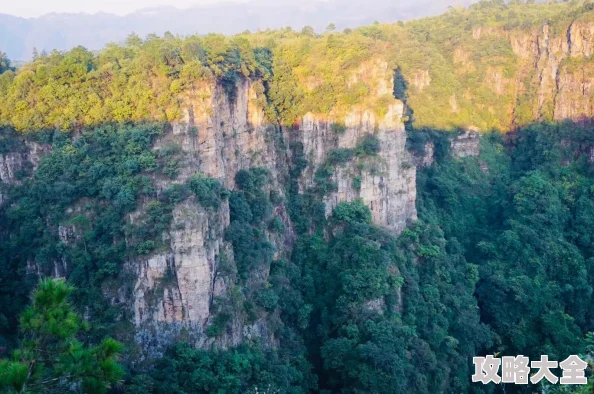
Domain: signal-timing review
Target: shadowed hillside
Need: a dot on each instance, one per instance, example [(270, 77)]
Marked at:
[(356, 212)]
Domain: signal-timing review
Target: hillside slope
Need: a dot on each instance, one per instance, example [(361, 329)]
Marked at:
[(307, 213), (20, 36)]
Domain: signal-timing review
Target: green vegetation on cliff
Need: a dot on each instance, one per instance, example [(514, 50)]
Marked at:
[(500, 261), (486, 66), (523, 219)]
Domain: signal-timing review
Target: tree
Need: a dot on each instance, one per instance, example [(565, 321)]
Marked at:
[(331, 27), (4, 63), (134, 40), (308, 31), (51, 357)]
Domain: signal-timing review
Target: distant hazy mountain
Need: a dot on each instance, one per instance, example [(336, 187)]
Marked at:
[(18, 36)]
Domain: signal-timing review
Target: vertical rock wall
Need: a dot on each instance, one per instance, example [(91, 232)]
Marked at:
[(175, 288), (172, 292), (563, 71), (386, 181)]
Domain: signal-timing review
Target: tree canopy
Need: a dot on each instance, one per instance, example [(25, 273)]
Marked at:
[(52, 357), (462, 67)]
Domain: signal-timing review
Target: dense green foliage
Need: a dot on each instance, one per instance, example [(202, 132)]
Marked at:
[(525, 223), (52, 358), (467, 67), (385, 312), (241, 370), (140, 81), (250, 209), (4, 63), (500, 261), (89, 185)]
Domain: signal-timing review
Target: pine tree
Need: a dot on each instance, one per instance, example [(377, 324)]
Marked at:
[(51, 357)]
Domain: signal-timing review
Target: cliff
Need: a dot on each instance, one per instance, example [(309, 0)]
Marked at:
[(321, 121), (463, 69), (532, 63), (245, 208), (18, 160), (562, 72), (173, 293)]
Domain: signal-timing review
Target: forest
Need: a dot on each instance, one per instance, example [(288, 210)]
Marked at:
[(450, 62), (500, 260)]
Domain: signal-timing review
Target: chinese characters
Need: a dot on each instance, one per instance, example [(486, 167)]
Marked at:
[(517, 370)]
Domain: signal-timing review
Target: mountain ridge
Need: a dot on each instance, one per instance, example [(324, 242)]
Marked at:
[(63, 31), (310, 212)]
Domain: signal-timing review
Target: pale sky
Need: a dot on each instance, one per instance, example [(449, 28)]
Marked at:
[(34, 8)]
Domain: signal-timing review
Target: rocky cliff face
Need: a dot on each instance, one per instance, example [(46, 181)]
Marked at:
[(465, 144), (562, 73), (18, 162), (507, 77), (386, 182), (174, 289), (172, 293), (574, 82)]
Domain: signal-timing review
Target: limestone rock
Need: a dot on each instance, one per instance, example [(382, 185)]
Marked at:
[(171, 294), (466, 144)]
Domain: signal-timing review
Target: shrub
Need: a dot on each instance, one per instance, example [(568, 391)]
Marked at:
[(275, 197), (219, 324), (208, 191), (146, 247), (340, 156), (175, 194), (354, 211), (338, 128), (267, 299), (276, 225), (369, 146), (239, 208), (253, 180)]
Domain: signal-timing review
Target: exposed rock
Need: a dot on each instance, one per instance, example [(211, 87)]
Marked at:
[(175, 288), (374, 72), (466, 144), (574, 98), (496, 81), (426, 158), (58, 268), (172, 291), (221, 137), (67, 234), (10, 164), (453, 103), (378, 305), (13, 165), (580, 38), (563, 75), (387, 181), (421, 79)]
